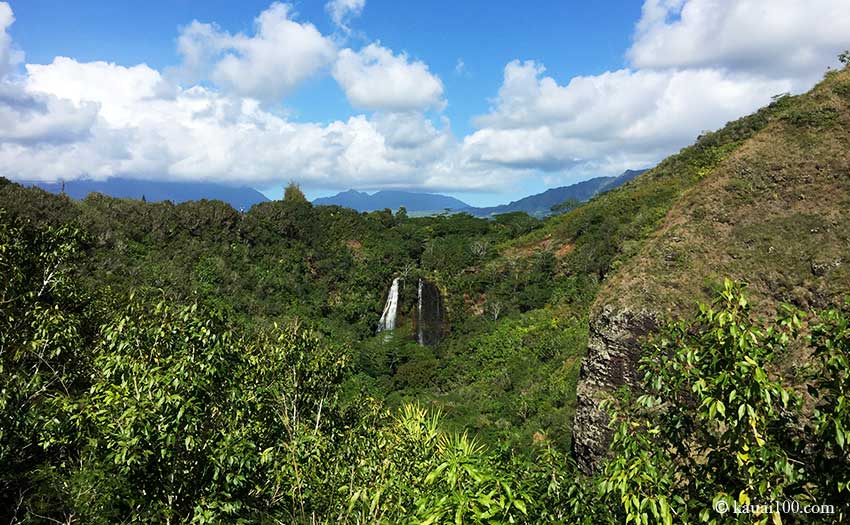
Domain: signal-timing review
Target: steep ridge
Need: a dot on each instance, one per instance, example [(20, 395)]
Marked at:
[(774, 211), (539, 205)]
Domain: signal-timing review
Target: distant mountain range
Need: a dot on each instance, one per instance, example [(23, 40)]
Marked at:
[(392, 199), (241, 198), (538, 205)]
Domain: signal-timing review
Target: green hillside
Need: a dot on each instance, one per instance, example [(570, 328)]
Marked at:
[(771, 211)]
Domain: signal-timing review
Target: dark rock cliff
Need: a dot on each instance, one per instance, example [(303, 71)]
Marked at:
[(613, 352), (430, 312)]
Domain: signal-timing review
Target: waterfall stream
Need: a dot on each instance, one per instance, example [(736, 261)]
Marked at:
[(388, 318), (429, 314), (419, 311)]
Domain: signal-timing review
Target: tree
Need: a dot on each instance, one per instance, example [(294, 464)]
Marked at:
[(215, 427), (412, 469), (479, 248), (567, 205), (48, 327), (292, 193), (712, 429), (844, 57), (495, 308), (830, 385)]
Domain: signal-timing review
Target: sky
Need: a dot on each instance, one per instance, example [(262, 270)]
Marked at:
[(485, 101)]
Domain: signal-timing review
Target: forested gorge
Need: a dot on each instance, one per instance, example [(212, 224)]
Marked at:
[(133, 394), (137, 403), (189, 363)]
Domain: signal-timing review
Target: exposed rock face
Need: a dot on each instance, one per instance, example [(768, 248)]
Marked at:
[(614, 348)]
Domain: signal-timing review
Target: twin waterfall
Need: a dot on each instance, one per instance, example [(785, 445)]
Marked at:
[(428, 318)]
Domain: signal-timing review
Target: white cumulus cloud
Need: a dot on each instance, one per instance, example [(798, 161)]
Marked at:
[(608, 118), (9, 56), (794, 39), (33, 118), (375, 78), (280, 55), (695, 64)]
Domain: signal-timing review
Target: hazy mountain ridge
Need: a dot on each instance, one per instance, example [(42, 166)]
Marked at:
[(540, 204), (241, 198), (392, 199)]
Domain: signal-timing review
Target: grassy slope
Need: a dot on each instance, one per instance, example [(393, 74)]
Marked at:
[(772, 210), (774, 213), (717, 208), (610, 229)]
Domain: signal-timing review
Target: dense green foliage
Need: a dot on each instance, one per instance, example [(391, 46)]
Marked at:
[(157, 407), (716, 427), (138, 409), (286, 261), (47, 327)]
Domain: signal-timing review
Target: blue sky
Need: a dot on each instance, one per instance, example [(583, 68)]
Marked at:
[(571, 38), (256, 93)]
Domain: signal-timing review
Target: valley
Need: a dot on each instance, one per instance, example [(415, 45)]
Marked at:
[(298, 362)]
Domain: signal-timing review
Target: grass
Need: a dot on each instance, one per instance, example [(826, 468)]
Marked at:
[(772, 209)]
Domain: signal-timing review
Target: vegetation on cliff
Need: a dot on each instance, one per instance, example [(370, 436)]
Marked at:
[(766, 202)]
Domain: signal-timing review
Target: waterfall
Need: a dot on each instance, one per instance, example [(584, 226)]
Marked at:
[(419, 337), (428, 321), (430, 324), (387, 321)]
